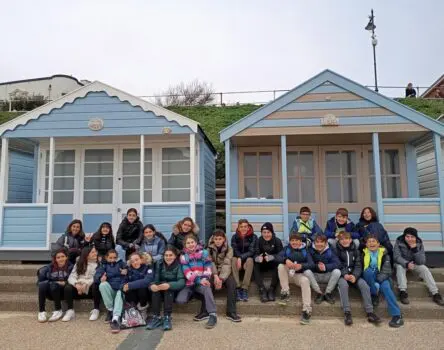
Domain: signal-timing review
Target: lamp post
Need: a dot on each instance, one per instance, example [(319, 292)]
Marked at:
[(371, 27)]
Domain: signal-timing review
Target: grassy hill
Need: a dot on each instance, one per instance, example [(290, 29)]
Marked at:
[(214, 119)]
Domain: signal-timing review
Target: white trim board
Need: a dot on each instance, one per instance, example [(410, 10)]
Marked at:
[(98, 86)]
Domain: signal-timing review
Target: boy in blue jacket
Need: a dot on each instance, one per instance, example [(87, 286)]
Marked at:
[(305, 225), (341, 223), (325, 270), (294, 259), (110, 274)]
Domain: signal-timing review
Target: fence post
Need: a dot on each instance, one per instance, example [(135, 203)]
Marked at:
[(221, 98), (10, 105), (417, 88), (274, 95)]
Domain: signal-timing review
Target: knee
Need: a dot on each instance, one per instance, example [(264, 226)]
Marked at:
[(336, 273), (249, 262), (43, 284), (421, 269), (308, 273), (343, 283), (400, 268), (304, 281), (281, 267)]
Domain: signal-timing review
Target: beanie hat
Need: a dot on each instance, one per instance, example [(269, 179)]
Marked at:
[(268, 226), (411, 231)]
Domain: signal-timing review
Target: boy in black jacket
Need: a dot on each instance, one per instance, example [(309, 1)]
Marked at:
[(325, 270), (266, 250), (351, 271)]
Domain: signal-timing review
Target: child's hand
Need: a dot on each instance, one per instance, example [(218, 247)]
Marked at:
[(347, 277), (411, 265), (123, 272), (88, 237), (266, 257), (297, 267), (289, 264), (352, 279), (205, 283), (103, 278), (239, 263), (164, 286), (321, 266), (79, 288), (125, 287), (154, 288), (260, 259), (61, 283)]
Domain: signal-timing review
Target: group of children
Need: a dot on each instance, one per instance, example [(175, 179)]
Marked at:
[(140, 268)]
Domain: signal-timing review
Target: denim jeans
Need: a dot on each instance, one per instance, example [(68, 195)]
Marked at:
[(121, 252), (386, 290)]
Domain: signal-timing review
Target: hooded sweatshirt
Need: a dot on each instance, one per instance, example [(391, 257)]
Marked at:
[(221, 258), (128, 232), (299, 255), (244, 246), (326, 256), (333, 227), (373, 226), (196, 265), (138, 278), (113, 274), (86, 278), (403, 254), (311, 226), (53, 273), (271, 248), (350, 260), (154, 246)]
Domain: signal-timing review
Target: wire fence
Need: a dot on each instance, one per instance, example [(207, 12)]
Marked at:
[(227, 98)]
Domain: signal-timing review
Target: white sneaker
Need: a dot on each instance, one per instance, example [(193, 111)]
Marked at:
[(70, 315), (42, 317), (56, 315), (94, 315)]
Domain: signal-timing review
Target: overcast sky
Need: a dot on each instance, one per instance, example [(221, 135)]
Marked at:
[(144, 46)]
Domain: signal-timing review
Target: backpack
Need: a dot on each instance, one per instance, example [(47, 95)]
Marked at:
[(132, 318)]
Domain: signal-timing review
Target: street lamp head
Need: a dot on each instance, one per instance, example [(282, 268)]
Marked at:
[(371, 25)]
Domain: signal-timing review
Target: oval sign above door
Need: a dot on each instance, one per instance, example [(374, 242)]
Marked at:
[(96, 124)]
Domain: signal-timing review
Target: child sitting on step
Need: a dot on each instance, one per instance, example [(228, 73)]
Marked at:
[(111, 274), (73, 240), (196, 266), (152, 242), (294, 259), (409, 255), (305, 225), (103, 239), (168, 281), (52, 281), (128, 233), (181, 229), (341, 223), (377, 272)]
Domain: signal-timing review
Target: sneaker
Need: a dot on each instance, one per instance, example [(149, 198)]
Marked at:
[(239, 294), (167, 325), (56, 315), (375, 300), (373, 318), (263, 295), (329, 298), (319, 298), (94, 315), (284, 298), (115, 325), (212, 321), (42, 317), (348, 321), (155, 322), (305, 318), (234, 317), (69, 315), (201, 316), (396, 322), (437, 298), (109, 316), (271, 294), (404, 297), (244, 295)]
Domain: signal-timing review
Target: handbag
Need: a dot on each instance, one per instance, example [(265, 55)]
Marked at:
[(132, 317)]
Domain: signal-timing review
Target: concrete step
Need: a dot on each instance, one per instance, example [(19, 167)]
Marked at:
[(416, 310)]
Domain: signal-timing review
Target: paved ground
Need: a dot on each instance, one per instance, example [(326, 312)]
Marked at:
[(21, 331)]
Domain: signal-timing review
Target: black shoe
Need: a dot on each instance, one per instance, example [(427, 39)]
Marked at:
[(404, 297), (271, 294), (396, 322), (305, 318), (115, 326), (373, 318), (329, 298), (263, 295), (212, 321), (348, 321), (437, 298), (319, 298), (234, 317), (375, 300), (109, 316), (202, 316), (284, 298)]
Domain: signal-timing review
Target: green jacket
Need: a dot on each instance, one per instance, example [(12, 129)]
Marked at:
[(172, 275)]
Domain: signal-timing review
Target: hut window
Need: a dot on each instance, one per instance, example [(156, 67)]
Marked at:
[(390, 174), (258, 174), (131, 176), (175, 174), (64, 167), (98, 176), (301, 177), (340, 170)]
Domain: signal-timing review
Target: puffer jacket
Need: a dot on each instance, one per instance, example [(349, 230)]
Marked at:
[(272, 247), (300, 256), (171, 274), (50, 274), (103, 243), (113, 274), (74, 244), (311, 225), (403, 254), (365, 228), (244, 247), (350, 260), (177, 237), (128, 232), (196, 266), (384, 265), (87, 278), (221, 258), (155, 247), (327, 257), (332, 226), (139, 278)]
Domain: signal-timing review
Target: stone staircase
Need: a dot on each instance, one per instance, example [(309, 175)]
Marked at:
[(18, 292)]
